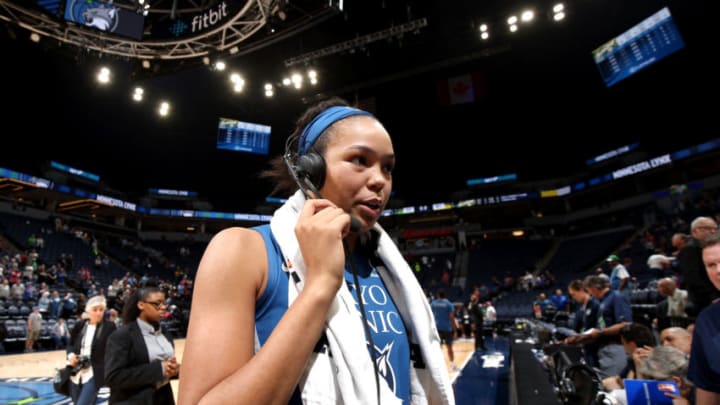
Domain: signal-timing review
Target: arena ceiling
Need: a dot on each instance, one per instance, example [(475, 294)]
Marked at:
[(540, 108)]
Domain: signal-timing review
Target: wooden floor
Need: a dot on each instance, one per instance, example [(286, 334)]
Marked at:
[(43, 364)]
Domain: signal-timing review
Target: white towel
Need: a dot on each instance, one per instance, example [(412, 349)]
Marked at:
[(348, 376)]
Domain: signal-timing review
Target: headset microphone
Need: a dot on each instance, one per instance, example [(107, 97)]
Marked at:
[(302, 175)]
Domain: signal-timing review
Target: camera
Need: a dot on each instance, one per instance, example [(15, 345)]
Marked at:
[(83, 362)]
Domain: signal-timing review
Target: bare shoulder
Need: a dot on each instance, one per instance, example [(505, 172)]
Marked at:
[(233, 255)]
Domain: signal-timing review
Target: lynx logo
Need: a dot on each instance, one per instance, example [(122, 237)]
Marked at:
[(92, 14), (102, 18), (384, 367), (209, 18)]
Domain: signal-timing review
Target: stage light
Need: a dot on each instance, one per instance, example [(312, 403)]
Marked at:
[(138, 94), (527, 16), (164, 109), (103, 76), (238, 82), (297, 80), (312, 75)]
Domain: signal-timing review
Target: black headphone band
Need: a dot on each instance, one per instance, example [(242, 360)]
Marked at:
[(307, 170)]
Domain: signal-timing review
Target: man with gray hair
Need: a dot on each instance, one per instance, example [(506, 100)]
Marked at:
[(666, 363), (690, 262)]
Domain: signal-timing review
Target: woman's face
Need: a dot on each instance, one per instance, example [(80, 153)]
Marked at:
[(360, 159), (152, 308), (96, 314)]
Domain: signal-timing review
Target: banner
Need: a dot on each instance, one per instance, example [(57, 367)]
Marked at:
[(194, 24), (462, 89)]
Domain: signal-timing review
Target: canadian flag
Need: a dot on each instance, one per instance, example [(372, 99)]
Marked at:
[(461, 89)]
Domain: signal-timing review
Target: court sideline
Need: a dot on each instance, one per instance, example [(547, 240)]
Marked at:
[(26, 378)]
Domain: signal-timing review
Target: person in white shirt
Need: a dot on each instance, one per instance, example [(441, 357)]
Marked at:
[(660, 263), (490, 313), (86, 352)]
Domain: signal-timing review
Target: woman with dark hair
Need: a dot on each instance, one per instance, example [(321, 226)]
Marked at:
[(139, 359), (319, 306)]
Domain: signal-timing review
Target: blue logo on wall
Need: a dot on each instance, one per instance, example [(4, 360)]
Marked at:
[(178, 28)]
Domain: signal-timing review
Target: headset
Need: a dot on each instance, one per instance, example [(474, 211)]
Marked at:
[(307, 170)]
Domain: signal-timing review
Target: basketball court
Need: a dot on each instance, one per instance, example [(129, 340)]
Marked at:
[(27, 378)]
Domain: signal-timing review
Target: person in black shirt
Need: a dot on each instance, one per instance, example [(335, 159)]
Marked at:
[(475, 310), (695, 280), (586, 317)]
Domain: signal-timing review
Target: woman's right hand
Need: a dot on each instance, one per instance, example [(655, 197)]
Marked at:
[(320, 230), (73, 360), (171, 367)]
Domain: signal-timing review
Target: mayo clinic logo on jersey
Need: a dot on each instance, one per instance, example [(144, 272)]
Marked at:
[(380, 321)]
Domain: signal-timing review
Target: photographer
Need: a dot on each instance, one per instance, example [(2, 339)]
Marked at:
[(86, 352)]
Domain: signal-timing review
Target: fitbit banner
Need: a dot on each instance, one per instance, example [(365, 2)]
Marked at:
[(189, 25), (105, 17)]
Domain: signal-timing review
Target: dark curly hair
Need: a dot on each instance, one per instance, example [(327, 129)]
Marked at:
[(130, 309), (278, 172)]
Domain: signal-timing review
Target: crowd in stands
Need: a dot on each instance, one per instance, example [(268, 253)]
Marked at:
[(610, 287), (43, 290)]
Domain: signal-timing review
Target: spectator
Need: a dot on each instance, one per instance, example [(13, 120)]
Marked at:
[(34, 326), (705, 353), (560, 301), (660, 264), (619, 276), (490, 313), (633, 336), (677, 337), (690, 261), (60, 334), (674, 305), (667, 363)]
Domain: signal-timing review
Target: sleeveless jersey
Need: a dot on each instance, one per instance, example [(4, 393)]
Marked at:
[(392, 352)]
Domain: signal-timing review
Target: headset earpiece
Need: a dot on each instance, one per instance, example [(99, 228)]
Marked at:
[(311, 166)]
